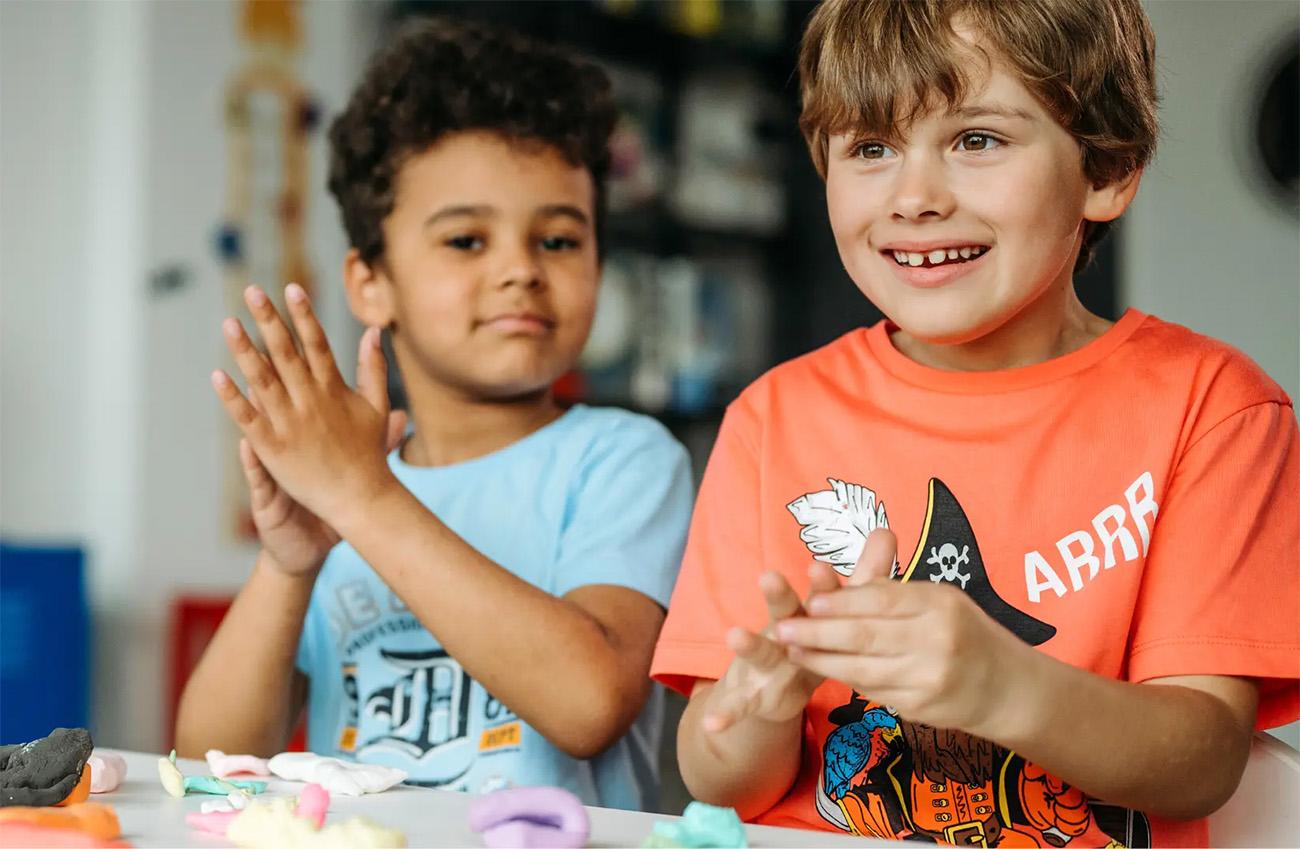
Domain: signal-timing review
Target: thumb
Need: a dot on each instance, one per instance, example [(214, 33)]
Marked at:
[(877, 557), (372, 370), (396, 428)]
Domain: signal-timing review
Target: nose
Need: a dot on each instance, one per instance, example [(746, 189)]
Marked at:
[(519, 267), (921, 191)]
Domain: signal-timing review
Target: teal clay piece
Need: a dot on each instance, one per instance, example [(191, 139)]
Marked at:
[(220, 786), (701, 827)]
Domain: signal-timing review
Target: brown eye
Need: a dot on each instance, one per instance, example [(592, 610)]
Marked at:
[(974, 142), (872, 150)]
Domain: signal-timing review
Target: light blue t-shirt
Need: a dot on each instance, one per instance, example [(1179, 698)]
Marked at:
[(599, 496)]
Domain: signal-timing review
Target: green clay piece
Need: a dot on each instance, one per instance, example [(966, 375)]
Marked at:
[(172, 780), (221, 787), (701, 827)]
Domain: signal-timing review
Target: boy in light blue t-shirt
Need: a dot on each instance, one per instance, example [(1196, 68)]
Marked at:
[(478, 607)]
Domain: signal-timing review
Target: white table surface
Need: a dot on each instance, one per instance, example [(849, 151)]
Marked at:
[(428, 818)]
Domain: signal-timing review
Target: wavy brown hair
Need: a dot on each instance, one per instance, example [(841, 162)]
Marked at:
[(877, 65), (438, 77)]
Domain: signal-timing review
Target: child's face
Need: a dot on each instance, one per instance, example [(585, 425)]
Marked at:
[(490, 273), (996, 184)]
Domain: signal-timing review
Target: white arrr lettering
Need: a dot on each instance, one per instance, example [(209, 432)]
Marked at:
[(1107, 537), (1039, 576), (1075, 562), (1140, 508)]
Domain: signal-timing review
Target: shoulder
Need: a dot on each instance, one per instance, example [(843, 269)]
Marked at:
[(1215, 378), (604, 435)]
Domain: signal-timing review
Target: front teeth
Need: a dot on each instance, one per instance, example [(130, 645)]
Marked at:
[(936, 256)]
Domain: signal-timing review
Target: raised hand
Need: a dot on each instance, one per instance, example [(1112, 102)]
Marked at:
[(321, 444), (762, 682)]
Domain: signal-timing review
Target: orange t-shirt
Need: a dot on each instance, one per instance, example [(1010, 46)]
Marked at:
[(1131, 508)]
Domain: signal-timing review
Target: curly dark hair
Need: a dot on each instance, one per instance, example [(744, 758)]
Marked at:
[(440, 76)]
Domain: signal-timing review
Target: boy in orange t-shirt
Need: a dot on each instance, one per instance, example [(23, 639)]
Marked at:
[(1084, 586)]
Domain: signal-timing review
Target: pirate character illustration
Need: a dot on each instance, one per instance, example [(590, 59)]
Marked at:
[(883, 776)]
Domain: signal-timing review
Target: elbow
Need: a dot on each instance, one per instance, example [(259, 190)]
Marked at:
[(600, 723)]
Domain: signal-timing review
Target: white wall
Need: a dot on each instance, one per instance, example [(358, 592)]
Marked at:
[(113, 156), (1201, 245)]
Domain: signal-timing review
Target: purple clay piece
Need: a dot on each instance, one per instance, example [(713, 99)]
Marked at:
[(531, 818), (521, 834)]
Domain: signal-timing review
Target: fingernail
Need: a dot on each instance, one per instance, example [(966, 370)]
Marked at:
[(295, 293), (255, 296), (785, 631), (231, 328), (819, 604), (218, 379), (794, 652)]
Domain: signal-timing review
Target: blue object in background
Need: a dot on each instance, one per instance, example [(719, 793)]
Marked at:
[(44, 642)]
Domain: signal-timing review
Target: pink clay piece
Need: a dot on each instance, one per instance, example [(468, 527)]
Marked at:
[(223, 765), (313, 802), (531, 818), (107, 770), (216, 822)]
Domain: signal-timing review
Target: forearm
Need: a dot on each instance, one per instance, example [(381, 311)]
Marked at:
[(240, 697), (1130, 744), (545, 658), (748, 766)]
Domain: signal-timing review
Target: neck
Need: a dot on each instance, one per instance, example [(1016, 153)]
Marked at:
[(1051, 326), (451, 427)]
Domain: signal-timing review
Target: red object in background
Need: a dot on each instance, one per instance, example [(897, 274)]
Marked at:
[(194, 621), (570, 388)]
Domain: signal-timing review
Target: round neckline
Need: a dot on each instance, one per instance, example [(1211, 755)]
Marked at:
[(1000, 380), (399, 465)]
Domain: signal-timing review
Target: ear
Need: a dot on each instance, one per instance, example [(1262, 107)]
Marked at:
[(1108, 202), (370, 292)]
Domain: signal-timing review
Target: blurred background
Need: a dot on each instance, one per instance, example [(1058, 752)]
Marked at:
[(155, 157)]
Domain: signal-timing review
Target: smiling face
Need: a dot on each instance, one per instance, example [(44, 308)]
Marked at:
[(490, 271), (969, 216)]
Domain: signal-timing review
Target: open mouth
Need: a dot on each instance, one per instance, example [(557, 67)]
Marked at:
[(939, 256)]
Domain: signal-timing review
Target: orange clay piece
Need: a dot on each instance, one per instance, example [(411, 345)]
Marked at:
[(20, 835), (80, 793), (93, 818)]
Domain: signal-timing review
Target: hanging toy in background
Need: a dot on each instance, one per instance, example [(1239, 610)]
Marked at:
[(48, 771), (268, 118)]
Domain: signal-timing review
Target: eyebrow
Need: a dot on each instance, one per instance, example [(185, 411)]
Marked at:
[(985, 110), (486, 211)]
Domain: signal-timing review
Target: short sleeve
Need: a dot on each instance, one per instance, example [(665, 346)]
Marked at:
[(1221, 590), (717, 588), (627, 514)]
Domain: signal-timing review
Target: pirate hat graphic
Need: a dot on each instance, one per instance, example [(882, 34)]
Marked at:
[(948, 551)]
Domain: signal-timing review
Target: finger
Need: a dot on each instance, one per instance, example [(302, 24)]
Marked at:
[(865, 637), (237, 407), (879, 676), (263, 382), (877, 557), (821, 579), (396, 429), (372, 370), (315, 345), (280, 346), (877, 600), (755, 649), (782, 601), (261, 487)]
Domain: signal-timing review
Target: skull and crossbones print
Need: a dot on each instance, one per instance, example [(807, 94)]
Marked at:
[(950, 561)]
